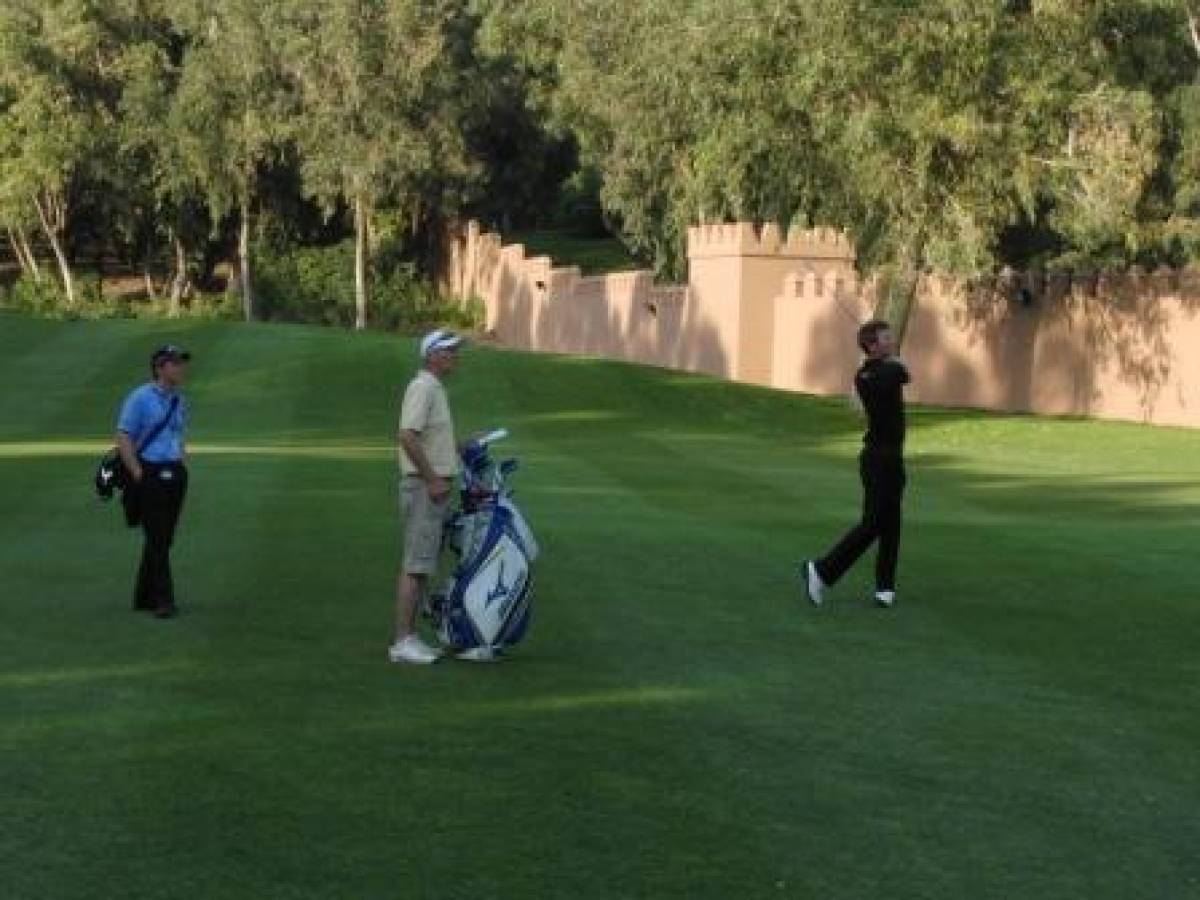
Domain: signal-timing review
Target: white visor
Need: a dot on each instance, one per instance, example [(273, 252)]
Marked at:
[(439, 340)]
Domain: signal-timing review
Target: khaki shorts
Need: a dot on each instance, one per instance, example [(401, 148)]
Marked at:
[(423, 524)]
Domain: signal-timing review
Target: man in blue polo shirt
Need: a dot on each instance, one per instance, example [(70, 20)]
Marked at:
[(151, 443)]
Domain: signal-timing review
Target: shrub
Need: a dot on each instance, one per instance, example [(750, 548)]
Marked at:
[(34, 298), (316, 285), (313, 285), (46, 299)]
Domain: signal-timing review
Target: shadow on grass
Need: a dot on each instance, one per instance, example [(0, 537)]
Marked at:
[(617, 389), (1119, 496), (728, 479)]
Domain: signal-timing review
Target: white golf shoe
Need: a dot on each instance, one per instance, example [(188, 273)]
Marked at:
[(414, 651), (814, 587), (885, 599)]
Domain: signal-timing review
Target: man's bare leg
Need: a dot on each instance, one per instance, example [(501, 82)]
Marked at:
[(409, 591)]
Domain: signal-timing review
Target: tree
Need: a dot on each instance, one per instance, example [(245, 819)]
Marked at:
[(1191, 12), (159, 199), (55, 60), (950, 134), (379, 120), (231, 112)]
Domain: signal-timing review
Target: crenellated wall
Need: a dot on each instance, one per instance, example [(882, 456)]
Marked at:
[(781, 311), (1115, 346), (735, 272)]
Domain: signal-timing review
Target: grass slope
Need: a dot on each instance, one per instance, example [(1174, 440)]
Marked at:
[(678, 725), (595, 256)]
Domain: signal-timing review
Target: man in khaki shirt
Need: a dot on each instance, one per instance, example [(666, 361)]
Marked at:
[(428, 465)]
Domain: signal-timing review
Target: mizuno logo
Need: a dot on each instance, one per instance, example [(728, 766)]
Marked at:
[(500, 591)]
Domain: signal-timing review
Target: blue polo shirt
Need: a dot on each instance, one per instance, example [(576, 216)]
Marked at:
[(143, 409)]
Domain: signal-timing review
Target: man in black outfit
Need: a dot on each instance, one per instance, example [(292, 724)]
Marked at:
[(150, 439), (880, 385)]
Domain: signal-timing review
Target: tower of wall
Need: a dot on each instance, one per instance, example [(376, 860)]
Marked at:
[(737, 271)]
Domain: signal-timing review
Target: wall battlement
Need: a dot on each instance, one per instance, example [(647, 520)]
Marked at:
[(718, 239), (782, 312)]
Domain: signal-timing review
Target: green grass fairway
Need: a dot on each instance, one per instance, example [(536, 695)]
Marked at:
[(1024, 725)]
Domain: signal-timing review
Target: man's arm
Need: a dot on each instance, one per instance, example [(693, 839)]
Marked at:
[(900, 370), (439, 488), (129, 422), (129, 456)]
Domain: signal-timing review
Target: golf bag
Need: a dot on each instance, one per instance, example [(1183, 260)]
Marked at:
[(486, 604)]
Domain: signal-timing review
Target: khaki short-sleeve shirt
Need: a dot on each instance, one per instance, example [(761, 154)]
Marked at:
[(426, 410)]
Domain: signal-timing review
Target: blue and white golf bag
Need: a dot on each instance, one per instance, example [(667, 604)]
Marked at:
[(486, 604)]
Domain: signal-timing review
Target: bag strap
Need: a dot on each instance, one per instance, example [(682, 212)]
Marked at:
[(158, 429)]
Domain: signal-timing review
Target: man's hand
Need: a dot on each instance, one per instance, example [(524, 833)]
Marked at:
[(439, 489), (129, 457)]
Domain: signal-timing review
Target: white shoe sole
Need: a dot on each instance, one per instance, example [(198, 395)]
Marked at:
[(477, 655), (414, 660)]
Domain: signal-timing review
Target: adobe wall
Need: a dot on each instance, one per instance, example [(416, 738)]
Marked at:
[(532, 304), (1118, 346), (722, 322), (780, 311), (735, 272)]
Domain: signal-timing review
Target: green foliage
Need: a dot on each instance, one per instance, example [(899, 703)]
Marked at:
[(578, 209), (1185, 167), (229, 113), (309, 285), (944, 134), (46, 299), (380, 117), (374, 87), (948, 134), (36, 298)]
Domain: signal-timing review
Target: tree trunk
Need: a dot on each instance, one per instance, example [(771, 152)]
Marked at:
[(52, 216), (147, 261), (247, 280), (906, 302), (360, 262), (23, 238), (899, 298), (179, 278), (18, 253), (1193, 20), (25, 257)]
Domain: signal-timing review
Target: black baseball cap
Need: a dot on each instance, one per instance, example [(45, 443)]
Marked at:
[(169, 353)]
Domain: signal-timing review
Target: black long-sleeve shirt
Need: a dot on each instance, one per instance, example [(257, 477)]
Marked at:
[(880, 386)]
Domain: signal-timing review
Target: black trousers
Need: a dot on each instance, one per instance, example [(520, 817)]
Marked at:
[(160, 501), (883, 480)]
